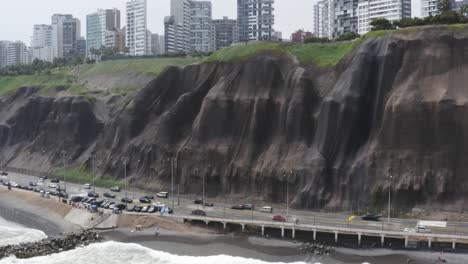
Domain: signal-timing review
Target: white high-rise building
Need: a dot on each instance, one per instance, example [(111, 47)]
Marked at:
[(42, 43), (324, 18), (429, 8), (392, 10), (255, 19), (101, 25), (136, 35), (13, 53)]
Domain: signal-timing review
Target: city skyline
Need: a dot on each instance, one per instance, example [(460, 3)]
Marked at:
[(289, 18)]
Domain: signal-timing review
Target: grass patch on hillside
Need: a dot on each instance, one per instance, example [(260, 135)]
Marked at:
[(11, 83), (322, 54), (152, 66), (81, 175)]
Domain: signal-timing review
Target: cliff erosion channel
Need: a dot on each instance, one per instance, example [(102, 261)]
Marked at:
[(396, 105)]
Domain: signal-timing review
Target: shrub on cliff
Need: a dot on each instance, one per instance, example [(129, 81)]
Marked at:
[(381, 24)]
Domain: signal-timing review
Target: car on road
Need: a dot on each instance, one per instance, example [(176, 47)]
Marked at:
[(422, 229), (31, 183), (93, 195), (87, 186), (55, 180), (150, 197), (249, 207), (4, 173), (198, 201), (371, 217), (109, 195), (279, 218), (162, 195), (266, 209), (145, 200), (115, 189), (126, 200), (198, 212), (238, 207), (208, 204)]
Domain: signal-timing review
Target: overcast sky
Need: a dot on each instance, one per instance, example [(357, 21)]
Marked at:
[(17, 17)]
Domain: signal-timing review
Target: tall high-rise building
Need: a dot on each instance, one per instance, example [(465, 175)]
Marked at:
[(224, 32), (346, 17), (325, 18), (116, 40), (255, 19), (181, 11), (136, 35), (174, 36), (429, 8), (162, 43), (369, 10), (13, 53), (156, 45), (42, 43), (99, 25), (65, 36), (201, 26)]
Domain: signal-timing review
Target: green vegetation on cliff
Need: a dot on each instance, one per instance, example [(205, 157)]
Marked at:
[(72, 77), (323, 55), (81, 175)]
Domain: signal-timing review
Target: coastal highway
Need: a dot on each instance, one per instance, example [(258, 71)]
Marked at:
[(223, 210)]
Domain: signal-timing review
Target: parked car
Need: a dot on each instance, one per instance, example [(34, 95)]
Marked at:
[(55, 180), (266, 209), (238, 207), (120, 206), (93, 195), (62, 194), (198, 201), (14, 184), (54, 192), (145, 200), (209, 204), (31, 183), (109, 195), (162, 194), (152, 209), (138, 208), (44, 178), (126, 200), (76, 198), (149, 197), (4, 173), (199, 212), (53, 185), (87, 186), (249, 207), (145, 209), (115, 189), (279, 218)]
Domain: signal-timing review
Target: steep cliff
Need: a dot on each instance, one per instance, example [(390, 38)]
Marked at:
[(396, 105)]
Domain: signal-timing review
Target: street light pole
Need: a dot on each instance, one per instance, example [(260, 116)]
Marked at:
[(389, 179), (172, 181), (124, 161), (64, 153), (94, 172)]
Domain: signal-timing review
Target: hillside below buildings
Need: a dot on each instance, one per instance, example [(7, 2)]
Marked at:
[(331, 121)]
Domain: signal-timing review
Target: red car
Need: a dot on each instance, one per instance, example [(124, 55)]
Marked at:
[(279, 218)]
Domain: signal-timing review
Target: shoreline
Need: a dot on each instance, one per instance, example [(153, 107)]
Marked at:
[(183, 239)]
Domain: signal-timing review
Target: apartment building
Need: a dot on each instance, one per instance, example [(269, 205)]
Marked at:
[(13, 53), (224, 32), (42, 43), (103, 29), (136, 29), (65, 36), (255, 20), (392, 10)]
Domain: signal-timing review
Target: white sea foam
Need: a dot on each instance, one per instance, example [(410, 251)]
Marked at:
[(120, 253), (13, 234)]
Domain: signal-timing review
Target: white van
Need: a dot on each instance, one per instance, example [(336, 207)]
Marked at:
[(162, 194), (266, 209)]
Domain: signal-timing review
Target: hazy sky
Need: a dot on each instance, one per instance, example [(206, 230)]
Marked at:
[(17, 17)]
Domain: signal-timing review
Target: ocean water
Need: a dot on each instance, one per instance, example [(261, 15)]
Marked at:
[(120, 253), (13, 234)]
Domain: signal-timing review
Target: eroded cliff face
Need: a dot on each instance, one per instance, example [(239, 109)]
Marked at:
[(396, 106)]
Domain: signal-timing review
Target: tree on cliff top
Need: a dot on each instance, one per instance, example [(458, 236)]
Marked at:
[(381, 24)]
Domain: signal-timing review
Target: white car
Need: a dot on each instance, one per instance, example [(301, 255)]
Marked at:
[(13, 184), (53, 185), (162, 194), (409, 230), (87, 186), (159, 205), (423, 229), (266, 209)]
